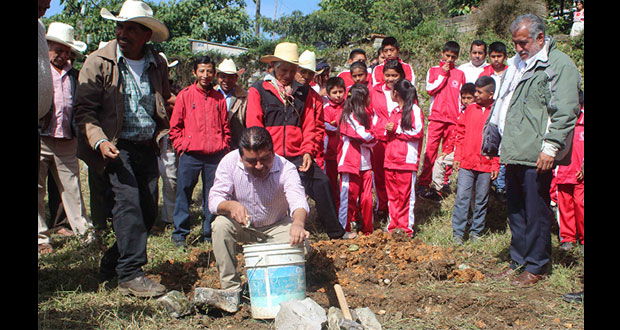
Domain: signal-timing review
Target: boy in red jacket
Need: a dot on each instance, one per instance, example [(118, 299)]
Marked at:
[(391, 51), (201, 136), (443, 84), (474, 169), (331, 115)]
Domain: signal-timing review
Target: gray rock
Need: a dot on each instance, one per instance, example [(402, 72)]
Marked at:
[(367, 318), (176, 304), (300, 315)]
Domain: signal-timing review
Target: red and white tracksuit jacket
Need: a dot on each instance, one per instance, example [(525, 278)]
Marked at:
[(444, 89), (331, 117), (377, 73), (348, 80), (382, 105), (468, 140), (570, 191), (402, 156), (354, 166)]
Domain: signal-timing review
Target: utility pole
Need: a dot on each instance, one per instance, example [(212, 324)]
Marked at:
[(275, 14), (257, 19)]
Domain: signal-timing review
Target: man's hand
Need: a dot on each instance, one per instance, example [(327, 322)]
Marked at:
[(306, 163), (298, 232), (235, 211), (544, 163), (108, 150), (494, 175), (456, 165)]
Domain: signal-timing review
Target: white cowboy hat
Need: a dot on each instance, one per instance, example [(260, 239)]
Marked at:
[(139, 12), (228, 67), (307, 60), (175, 62), (63, 34), (285, 51)]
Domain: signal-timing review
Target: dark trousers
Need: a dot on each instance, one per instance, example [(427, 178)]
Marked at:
[(530, 217), (318, 187), (190, 167), (133, 179)]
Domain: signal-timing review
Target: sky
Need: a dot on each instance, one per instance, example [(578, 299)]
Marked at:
[(285, 7)]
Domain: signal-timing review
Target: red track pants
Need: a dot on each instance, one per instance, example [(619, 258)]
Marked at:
[(378, 155), (401, 198), (353, 186), (570, 212)]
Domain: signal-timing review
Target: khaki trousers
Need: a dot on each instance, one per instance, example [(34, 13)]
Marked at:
[(59, 155), (226, 233)]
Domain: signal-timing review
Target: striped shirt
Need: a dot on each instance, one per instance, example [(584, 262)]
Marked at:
[(138, 122), (267, 199)]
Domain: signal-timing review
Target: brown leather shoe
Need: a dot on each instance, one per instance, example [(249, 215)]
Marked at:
[(505, 274), (526, 279)]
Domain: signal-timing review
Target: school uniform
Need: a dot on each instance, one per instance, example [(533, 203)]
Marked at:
[(444, 89), (570, 192), (355, 168), (348, 80), (331, 112), (377, 73), (381, 105), (402, 156), (474, 171)]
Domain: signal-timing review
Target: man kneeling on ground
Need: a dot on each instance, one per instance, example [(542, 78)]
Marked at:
[(257, 187)]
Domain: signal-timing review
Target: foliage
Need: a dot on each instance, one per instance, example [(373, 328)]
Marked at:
[(496, 15)]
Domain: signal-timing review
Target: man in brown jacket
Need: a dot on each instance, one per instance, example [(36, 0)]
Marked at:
[(236, 98), (120, 113)]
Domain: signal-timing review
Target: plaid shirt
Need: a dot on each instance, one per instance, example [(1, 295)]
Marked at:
[(138, 122)]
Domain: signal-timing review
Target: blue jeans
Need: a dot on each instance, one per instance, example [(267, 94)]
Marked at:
[(466, 180), (191, 165), (500, 182)]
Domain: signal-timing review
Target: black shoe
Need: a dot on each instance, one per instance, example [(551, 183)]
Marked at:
[(141, 286), (432, 195), (573, 297)]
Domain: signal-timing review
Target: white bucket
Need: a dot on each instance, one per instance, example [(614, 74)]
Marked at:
[(276, 273)]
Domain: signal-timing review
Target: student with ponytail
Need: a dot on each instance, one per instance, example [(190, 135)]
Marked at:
[(354, 164), (382, 107), (404, 130)]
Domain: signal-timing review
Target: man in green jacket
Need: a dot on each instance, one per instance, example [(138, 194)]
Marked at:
[(531, 126), (120, 112)]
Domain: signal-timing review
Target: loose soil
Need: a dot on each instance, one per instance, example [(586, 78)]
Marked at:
[(406, 283)]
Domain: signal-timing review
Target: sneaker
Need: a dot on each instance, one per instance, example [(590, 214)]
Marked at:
[(458, 240), (349, 235), (432, 195), (141, 286), (226, 300)]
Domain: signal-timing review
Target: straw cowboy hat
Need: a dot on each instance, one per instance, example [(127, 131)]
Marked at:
[(228, 67), (63, 34), (175, 62), (285, 51), (307, 60), (139, 12)]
